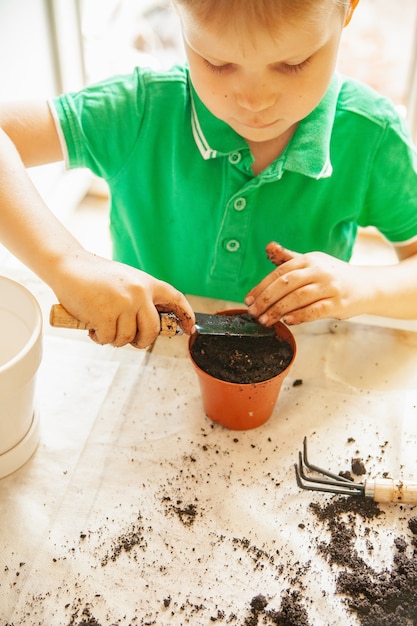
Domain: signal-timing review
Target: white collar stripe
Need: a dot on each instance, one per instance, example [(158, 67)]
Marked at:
[(199, 138)]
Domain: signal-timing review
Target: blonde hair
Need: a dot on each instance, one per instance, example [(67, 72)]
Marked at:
[(260, 12)]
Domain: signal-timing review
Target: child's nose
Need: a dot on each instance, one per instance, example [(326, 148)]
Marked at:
[(255, 99)]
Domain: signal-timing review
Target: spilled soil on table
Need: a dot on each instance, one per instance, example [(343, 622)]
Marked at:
[(342, 530), (377, 598)]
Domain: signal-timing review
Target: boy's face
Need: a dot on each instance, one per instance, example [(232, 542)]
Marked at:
[(264, 83)]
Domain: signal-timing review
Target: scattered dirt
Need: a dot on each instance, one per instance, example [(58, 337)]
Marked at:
[(378, 598), (343, 528), (291, 612), (241, 359), (133, 537), (358, 467), (86, 618), (412, 525), (186, 513)]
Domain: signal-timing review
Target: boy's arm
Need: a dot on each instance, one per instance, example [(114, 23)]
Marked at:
[(31, 128), (307, 287), (28, 137), (117, 302)]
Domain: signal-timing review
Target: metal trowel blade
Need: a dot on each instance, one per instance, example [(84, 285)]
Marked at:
[(234, 324)]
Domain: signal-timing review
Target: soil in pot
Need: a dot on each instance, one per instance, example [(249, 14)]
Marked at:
[(241, 359)]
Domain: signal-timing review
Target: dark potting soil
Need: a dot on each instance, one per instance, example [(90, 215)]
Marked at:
[(291, 612), (241, 359), (377, 598)]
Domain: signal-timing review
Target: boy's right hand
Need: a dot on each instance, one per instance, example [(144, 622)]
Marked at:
[(118, 303)]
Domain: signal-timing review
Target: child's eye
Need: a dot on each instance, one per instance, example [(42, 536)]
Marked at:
[(218, 69), (294, 69)]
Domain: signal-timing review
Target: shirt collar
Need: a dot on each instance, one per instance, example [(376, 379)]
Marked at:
[(307, 153), (213, 137)]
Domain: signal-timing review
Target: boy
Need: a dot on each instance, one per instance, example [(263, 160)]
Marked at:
[(257, 140)]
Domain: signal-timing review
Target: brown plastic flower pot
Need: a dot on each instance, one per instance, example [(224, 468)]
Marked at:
[(243, 405)]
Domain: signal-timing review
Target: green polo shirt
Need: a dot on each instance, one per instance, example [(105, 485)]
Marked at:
[(185, 205)]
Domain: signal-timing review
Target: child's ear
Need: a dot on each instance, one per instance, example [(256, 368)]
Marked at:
[(352, 6)]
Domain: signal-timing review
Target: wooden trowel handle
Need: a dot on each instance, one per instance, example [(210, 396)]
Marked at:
[(60, 318)]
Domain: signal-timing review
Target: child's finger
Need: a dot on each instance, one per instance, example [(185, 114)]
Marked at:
[(126, 329), (148, 325), (277, 254), (103, 334), (274, 286), (170, 300)]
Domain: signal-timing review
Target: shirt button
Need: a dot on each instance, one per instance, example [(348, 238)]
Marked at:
[(239, 204), (235, 158), (232, 245)]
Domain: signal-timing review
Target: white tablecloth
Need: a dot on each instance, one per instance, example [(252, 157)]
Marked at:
[(136, 509)]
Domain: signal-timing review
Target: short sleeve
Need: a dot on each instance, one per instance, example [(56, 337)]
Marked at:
[(101, 124)]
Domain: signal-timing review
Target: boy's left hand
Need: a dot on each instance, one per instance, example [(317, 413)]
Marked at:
[(306, 287)]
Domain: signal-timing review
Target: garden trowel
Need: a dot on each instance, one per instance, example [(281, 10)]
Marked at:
[(232, 324)]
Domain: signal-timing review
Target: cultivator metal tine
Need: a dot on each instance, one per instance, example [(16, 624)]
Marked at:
[(323, 480)]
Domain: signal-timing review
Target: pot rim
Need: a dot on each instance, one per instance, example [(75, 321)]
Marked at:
[(286, 336), (36, 333)]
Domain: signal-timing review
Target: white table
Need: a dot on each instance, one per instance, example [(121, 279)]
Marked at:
[(136, 509)]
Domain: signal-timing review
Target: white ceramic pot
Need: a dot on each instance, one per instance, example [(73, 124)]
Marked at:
[(20, 357)]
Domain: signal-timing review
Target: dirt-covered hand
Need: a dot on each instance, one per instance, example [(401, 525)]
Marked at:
[(118, 303), (307, 287)]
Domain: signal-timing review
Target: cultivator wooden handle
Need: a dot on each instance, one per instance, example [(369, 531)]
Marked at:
[(390, 490)]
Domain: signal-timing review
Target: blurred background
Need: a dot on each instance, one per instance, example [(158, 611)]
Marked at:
[(50, 46)]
